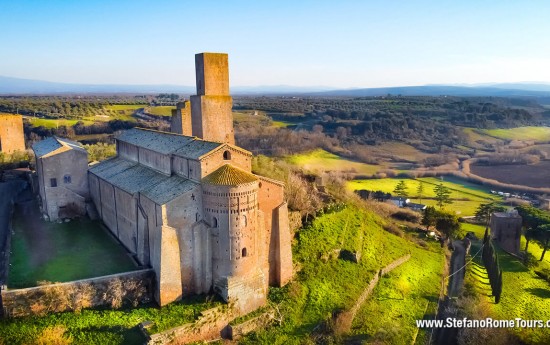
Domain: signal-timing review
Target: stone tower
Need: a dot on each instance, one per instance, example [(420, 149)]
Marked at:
[(506, 230), (11, 133), (181, 119), (231, 203), (211, 106)]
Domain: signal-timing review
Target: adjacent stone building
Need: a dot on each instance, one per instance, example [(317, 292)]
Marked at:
[(11, 133), (61, 165), (190, 207), (506, 230)]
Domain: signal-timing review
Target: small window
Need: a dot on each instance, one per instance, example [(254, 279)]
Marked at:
[(243, 252), (53, 182), (226, 155), (67, 179), (197, 217), (214, 222)]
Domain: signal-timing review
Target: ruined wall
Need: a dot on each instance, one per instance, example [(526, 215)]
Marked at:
[(11, 133), (136, 286), (181, 119)]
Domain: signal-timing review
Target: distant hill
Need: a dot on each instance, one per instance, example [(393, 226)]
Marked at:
[(440, 90), (9, 85)]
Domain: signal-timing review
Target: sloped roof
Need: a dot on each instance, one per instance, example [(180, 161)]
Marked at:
[(228, 175), (54, 145), (197, 148), (162, 142), (133, 178)]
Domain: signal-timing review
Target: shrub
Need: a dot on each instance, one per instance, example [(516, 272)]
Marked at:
[(406, 215)]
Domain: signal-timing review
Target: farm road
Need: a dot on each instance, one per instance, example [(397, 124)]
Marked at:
[(8, 191)]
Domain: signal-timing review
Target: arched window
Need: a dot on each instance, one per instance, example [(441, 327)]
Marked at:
[(245, 220), (226, 155), (243, 252), (197, 217), (67, 179), (214, 222)]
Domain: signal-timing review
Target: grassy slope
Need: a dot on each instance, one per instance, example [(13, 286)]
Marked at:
[(524, 295), (326, 283), (475, 194), (521, 133), (405, 295), (321, 160)]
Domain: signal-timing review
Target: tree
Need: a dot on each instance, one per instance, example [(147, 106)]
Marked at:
[(442, 195), (420, 191), (401, 189), (430, 217), (543, 232), (448, 224), (484, 211)]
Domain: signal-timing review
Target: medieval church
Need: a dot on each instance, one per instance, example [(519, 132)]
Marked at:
[(187, 204)]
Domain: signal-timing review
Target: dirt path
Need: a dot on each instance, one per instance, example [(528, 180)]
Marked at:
[(458, 260)]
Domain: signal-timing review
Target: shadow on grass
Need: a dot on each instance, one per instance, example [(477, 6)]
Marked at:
[(539, 292)]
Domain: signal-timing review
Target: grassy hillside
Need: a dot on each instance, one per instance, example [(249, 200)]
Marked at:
[(467, 196), (407, 294), (321, 160), (524, 295), (520, 133), (326, 283), (165, 111)]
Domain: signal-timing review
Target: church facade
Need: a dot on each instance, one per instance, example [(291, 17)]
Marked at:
[(188, 204)]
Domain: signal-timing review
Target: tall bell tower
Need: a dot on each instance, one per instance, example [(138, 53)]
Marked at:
[(211, 115)]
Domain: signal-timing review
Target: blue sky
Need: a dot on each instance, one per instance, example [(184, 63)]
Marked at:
[(300, 43)]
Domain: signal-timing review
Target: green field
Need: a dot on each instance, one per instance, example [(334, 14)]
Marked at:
[(53, 123), (48, 251), (282, 124), (327, 283), (520, 133), (164, 110), (321, 160), (467, 196)]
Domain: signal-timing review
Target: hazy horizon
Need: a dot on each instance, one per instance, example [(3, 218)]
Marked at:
[(307, 44)]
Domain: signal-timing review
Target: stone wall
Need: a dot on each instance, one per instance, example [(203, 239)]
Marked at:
[(112, 290), (11, 133)]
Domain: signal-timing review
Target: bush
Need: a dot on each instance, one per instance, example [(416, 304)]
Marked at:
[(406, 215), (393, 229)]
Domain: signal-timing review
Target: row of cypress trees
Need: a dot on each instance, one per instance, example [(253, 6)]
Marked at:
[(490, 261)]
